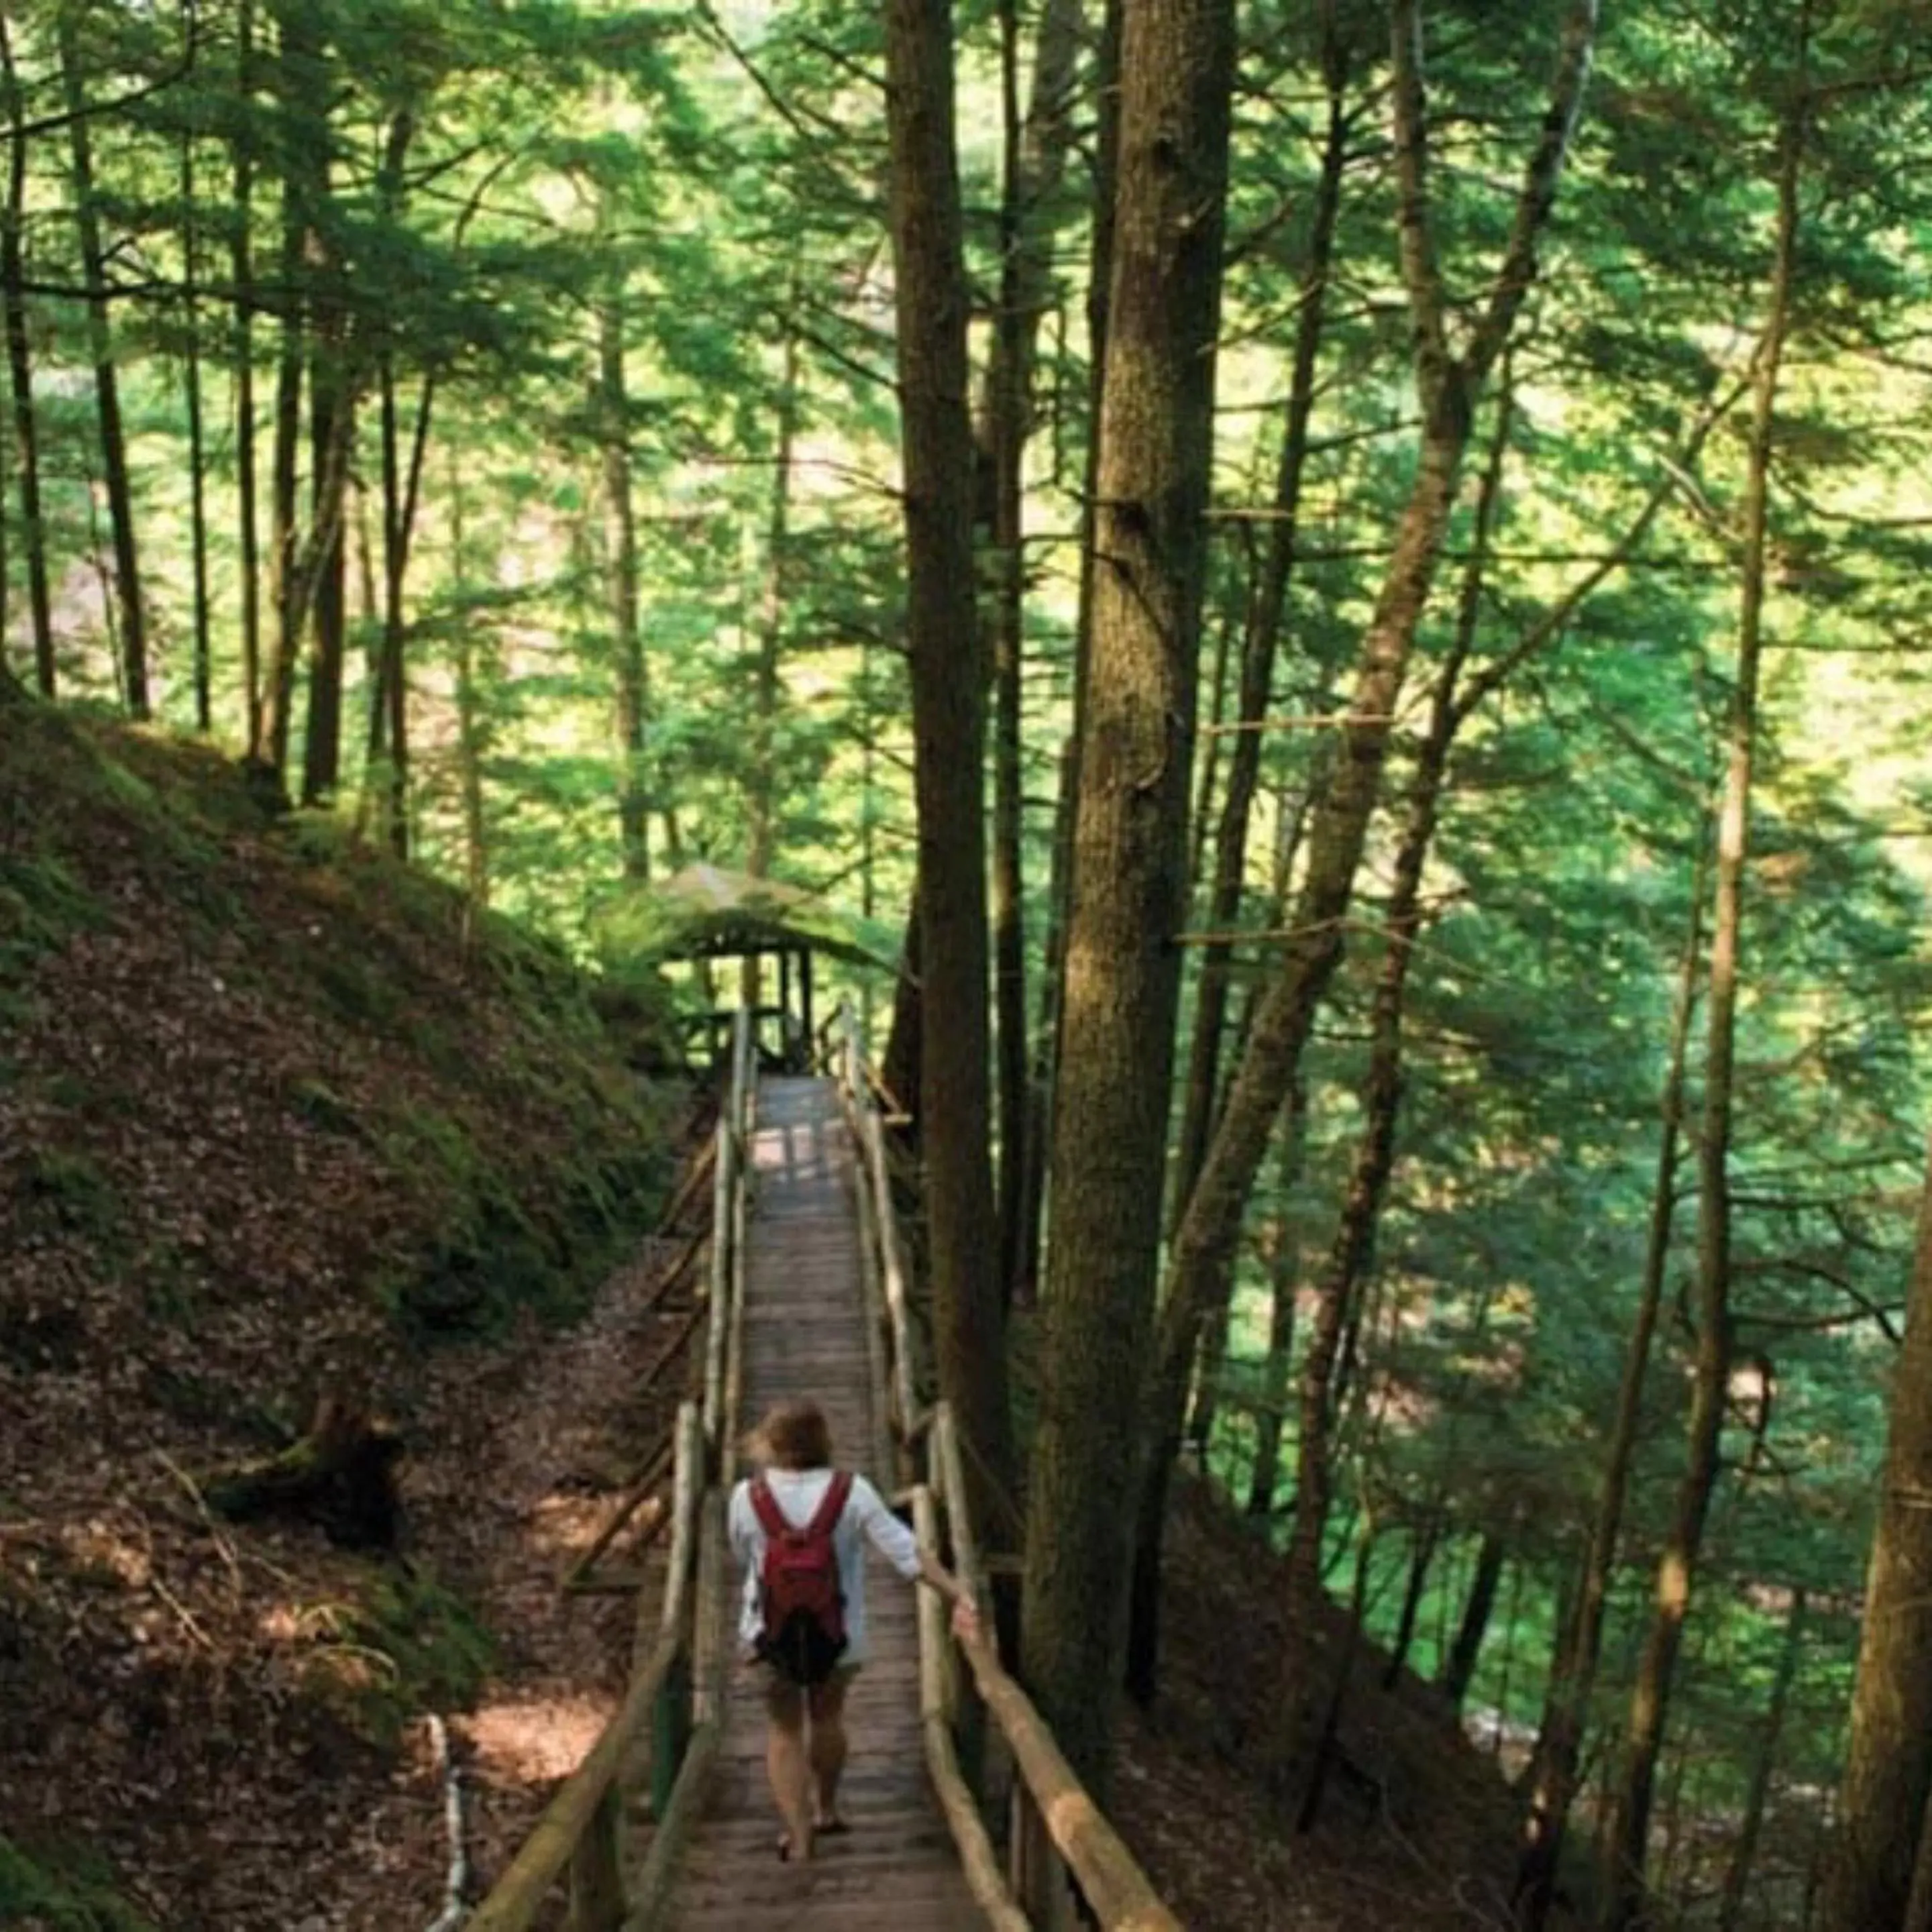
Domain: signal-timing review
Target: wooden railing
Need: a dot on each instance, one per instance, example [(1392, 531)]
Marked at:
[(677, 1681), (1057, 1838)]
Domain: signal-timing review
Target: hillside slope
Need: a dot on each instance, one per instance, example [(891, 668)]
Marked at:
[(277, 1125)]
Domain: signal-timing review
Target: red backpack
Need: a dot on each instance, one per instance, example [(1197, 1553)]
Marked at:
[(804, 1605)]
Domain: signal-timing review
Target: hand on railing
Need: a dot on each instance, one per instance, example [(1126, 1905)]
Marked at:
[(966, 1620)]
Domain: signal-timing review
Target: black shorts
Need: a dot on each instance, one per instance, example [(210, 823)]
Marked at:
[(804, 1652)]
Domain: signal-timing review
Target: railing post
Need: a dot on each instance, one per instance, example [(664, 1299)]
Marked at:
[(670, 1732), (596, 1881)]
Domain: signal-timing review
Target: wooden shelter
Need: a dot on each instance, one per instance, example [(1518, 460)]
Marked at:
[(705, 913)]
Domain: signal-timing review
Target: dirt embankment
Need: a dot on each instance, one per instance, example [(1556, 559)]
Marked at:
[(279, 1122)]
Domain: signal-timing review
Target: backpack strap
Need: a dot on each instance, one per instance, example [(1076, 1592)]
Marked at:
[(775, 1523), (772, 1519), (826, 1518)]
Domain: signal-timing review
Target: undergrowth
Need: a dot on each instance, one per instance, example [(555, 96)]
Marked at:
[(62, 1890)]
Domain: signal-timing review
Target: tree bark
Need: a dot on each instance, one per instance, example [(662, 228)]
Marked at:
[(1428, 1538), (1627, 1836), (115, 472), (1105, 168), (469, 711), (20, 374), (242, 259), (1478, 1608), (300, 100), (331, 427), (762, 802), (1887, 1778), (621, 563), (387, 770), (197, 456), (1284, 1267), (902, 1067), (1743, 1853), (1032, 161), (1129, 888), (949, 684)]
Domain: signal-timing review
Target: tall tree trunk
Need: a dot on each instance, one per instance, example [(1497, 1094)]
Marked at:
[(1888, 1780), (387, 764), (20, 374), (1428, 1538), (1203, 1250), (902, 1068), (332, 428), (1460, 1672), (1033, 160), (621, 562), (1129, 859), (762, 792), (241, 258), (1175, 1353), (1267, 611), (1283, 1256), (1341, 1282), (1046, 1040), (387, 746), (1743, 1853), (197, 456), (469, 710), (948, 686), (1105, 170), (300, 101), (1554, 1780), (106, 383), (1626, 1837), (762, 801)]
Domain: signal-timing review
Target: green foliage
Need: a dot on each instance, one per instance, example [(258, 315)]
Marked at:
[(62, 1890), (69, 1190)]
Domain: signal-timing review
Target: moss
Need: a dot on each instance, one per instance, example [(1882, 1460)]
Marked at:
[(411, 1644), (314, 1100), (69, 1191), (62, 1890), (42, 906)]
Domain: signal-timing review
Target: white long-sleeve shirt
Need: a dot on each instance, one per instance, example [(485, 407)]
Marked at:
[(798, 1493)]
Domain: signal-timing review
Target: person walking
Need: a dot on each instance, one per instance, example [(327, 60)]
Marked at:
[(799, 1527)]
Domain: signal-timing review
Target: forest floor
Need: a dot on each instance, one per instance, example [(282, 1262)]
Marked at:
[(1419, 1837)]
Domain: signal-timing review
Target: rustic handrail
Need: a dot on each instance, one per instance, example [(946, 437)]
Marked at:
[(1116, 1892), (577, 1832)]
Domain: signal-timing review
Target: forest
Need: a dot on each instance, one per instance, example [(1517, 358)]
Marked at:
[(1334, 590)]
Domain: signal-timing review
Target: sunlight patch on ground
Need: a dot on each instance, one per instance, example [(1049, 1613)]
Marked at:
[(565, 1526), (536, 1740)]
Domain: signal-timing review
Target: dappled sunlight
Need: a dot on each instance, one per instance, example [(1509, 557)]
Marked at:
[(535, 1740), (564, 1526), (101, 1551)]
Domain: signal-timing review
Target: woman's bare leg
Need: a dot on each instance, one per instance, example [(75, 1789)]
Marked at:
[(788, 1765), (828, 1743)]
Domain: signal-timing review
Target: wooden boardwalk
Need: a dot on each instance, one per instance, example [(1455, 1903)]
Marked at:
[(805, 1334)]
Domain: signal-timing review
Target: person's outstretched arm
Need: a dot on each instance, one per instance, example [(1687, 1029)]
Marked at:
[(900, 1548)]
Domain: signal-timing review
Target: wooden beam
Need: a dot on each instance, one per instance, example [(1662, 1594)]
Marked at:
[(977, 1857), (1115, 1887)]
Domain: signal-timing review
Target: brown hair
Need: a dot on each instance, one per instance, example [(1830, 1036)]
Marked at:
[(793, 1435)]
